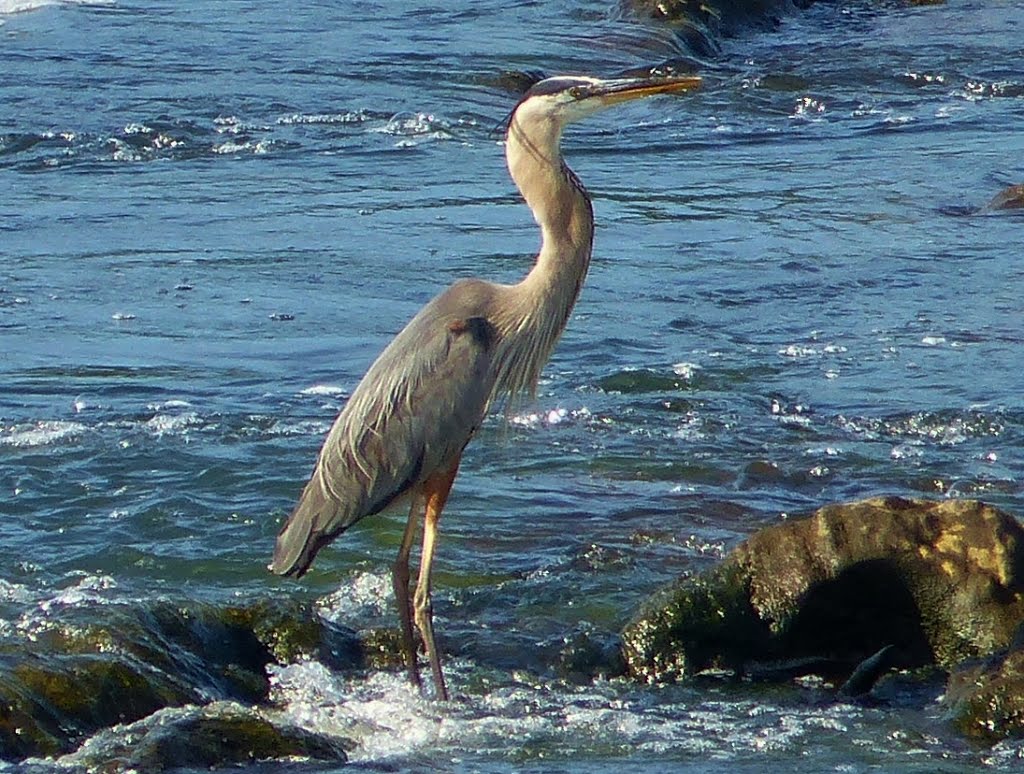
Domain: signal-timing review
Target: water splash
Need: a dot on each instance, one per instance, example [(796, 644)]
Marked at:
[(41, 433), (363, 597), (174, 424), (392, 723), (347, 117), (329, 390), (414, 128)]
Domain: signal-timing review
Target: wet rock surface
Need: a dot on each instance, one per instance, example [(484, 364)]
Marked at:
[(48, 701), (920, 582), (90, 668), (1010, 198), (219, 734), (702, 24), (985, 698)]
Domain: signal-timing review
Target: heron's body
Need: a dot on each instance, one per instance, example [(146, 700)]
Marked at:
[(403, 431)]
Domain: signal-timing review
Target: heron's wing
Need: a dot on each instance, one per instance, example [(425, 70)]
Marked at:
[(410, 417)]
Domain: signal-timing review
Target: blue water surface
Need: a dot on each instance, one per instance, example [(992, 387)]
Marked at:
[(215, 215)]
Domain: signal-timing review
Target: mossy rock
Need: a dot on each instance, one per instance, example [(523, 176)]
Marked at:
[(26, 727), (49, 702), (292, 631), (640, 381), (659, 644), (985, 699), (587, 655), (940, 581), (382, 648), (701, 23), (96, 666), (217, 735)]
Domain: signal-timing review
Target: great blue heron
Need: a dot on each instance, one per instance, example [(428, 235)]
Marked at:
[(404, 429)]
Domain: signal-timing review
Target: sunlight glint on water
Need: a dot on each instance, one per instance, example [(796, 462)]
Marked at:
[(217, 215)]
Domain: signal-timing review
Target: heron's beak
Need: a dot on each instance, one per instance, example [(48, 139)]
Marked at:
[(612, 92)]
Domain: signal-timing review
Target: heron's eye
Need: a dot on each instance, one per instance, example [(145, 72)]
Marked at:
[(576, 92)]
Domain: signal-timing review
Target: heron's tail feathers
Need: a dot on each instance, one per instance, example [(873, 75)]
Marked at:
[(307, 530)]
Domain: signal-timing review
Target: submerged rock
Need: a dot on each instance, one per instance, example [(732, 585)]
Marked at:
[(95, 666), (588, 654), (867, 673), (219, 734), (985, 699), (639, 381), (702, 23), (383, 648), (49, 700), (1010, 198), (940, 582)]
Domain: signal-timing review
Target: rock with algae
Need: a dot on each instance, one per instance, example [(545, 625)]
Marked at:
[(89, 668), (985, 697), (702, 23), (216, 735), (940, 581), (1010, 198), (49, 700)]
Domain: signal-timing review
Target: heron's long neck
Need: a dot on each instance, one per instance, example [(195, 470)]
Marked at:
[(561, 209), (540, 305)]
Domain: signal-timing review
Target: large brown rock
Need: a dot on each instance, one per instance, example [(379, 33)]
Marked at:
[(940, 581)]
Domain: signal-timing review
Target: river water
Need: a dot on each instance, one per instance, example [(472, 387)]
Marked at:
[(215, 214)]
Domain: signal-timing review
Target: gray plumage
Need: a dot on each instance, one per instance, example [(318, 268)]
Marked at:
[(404, 429), (410, 416)]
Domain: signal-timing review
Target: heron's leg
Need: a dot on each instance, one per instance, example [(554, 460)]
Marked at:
[(400, 579), (436, 490)]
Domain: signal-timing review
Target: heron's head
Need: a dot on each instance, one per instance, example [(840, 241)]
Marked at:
[(563, 99)]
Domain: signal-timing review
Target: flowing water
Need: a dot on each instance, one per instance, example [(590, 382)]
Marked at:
[(214, 215)]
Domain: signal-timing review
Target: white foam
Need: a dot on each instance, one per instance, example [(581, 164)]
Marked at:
[(797, 351), (910, 450), (305, 427), (323, 389), (14, 592), (365, 595), (173, 424), (384, 713), (690, 428), (88, 590), (390, 722), (233, 125), (40, 433), (21, 6), (122, 151), (350, 117), (231, 148), (685, 370), (414, 128), (169, 404), (807, 108)]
